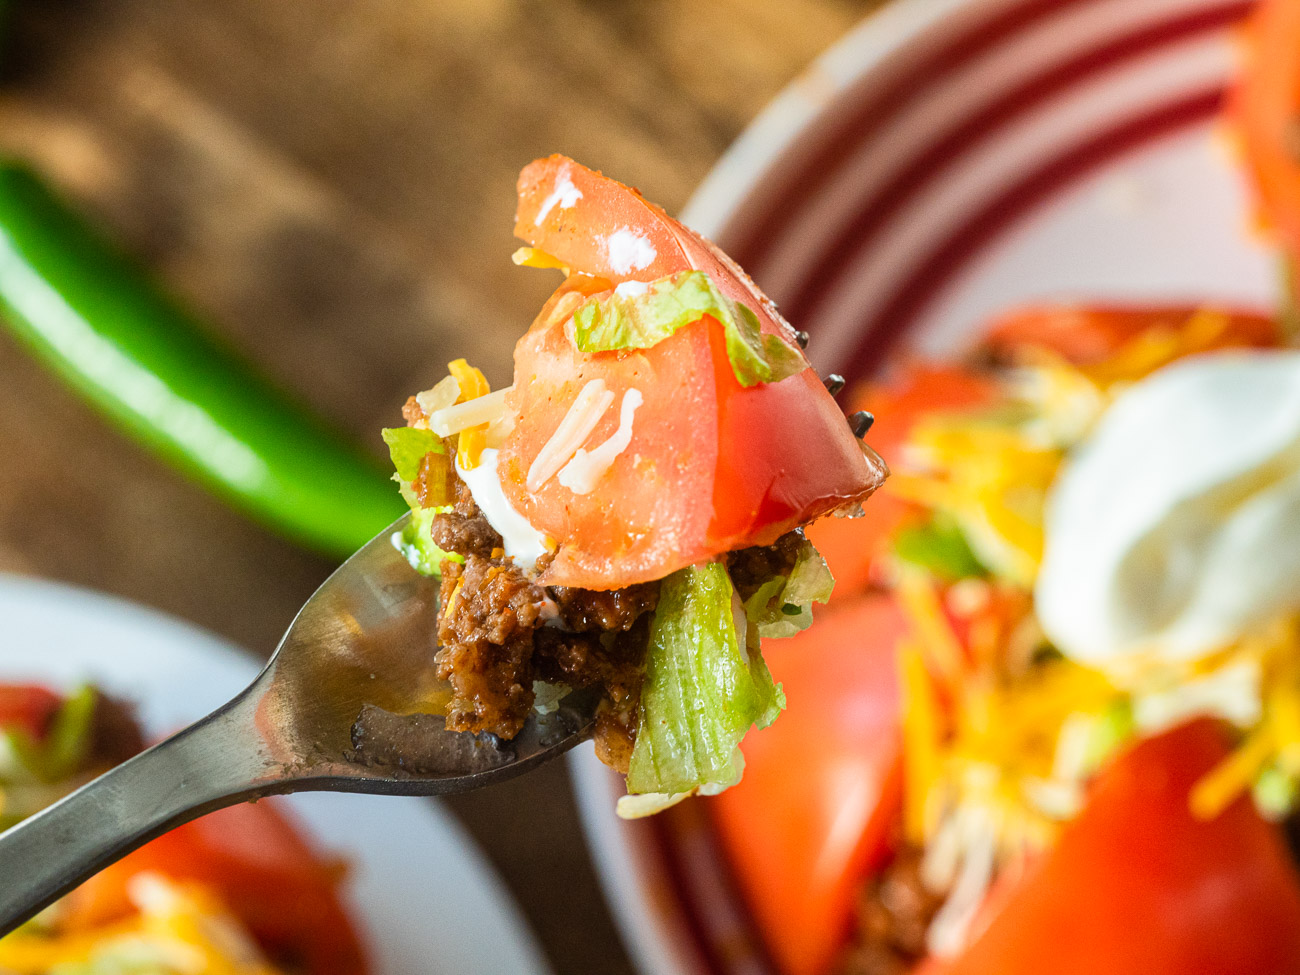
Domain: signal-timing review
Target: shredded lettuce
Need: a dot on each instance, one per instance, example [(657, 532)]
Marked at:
[(705, 686), (640, 319), (782, 606), (417, 545), (35, 773), (407, 446), (939, 547)]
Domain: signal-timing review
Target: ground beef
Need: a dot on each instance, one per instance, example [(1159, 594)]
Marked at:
[(588, 610), (413, 413), (485, 634), (613, 660), (464, 530), (751, 567), (894, 912), (493, 644), (494, 638)]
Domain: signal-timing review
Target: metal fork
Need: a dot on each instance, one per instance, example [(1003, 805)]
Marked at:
[(344, 705)]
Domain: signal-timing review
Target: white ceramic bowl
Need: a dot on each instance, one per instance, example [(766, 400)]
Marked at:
[(946, 160)]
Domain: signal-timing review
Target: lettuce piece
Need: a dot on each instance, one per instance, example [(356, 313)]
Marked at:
[(407, 446), (782, 606), (62, 752), (705, 686), (416, 543), (939, 547), (642, 318)]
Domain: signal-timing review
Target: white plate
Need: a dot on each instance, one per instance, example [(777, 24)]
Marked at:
[(423, 896)]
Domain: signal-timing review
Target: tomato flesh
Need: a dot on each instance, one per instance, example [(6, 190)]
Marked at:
[(713, 465), (1137, 886), (1263, 108), (266, 872), (822, 785), (28, 707)]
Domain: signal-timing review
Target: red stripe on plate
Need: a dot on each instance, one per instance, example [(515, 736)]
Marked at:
[(790, 192), (995, 217), (931, 164)]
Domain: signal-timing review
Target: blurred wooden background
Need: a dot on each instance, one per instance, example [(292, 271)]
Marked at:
[(331, 185)]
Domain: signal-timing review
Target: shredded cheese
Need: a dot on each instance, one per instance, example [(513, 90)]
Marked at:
[(588, 407), (477, 412), (532, 257), (587, 467)]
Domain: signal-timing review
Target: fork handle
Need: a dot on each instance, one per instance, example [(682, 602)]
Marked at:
[(216, 762)]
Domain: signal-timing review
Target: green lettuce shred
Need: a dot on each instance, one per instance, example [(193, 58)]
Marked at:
[(939, 547), (642, 320), (782, 606), (417, 545), (35, 773), (705, 686), (407, 446)]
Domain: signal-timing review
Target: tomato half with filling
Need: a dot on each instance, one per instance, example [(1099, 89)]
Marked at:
[(265, 871), (822, 786), (1137, 886), (712, 465)]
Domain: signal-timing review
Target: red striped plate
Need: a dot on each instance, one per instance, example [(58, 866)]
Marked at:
[(947, 159)]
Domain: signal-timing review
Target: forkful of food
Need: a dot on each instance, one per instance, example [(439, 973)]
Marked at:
[(595, 551)]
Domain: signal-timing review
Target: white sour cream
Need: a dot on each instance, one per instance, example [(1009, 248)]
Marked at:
[(1175, 528), (524, 543)]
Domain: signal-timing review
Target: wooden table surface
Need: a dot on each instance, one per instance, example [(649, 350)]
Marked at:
[(331, 185)]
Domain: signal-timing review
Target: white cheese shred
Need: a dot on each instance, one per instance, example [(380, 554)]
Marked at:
[(472, 413), (586, 411), (565, 195), (587, 467)]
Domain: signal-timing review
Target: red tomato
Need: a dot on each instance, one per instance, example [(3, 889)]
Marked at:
[(712, 466), (1086, 335), (852, 546), (1137, 886), (822, 784), (28, 707), (265, 871), (1263, 108)]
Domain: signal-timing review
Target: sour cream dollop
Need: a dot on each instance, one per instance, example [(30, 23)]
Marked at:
[(1175, 528), (520, 539)]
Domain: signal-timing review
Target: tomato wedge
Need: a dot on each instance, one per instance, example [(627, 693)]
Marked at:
[(712, 465), (822, 785), (256, 858), (28, 707), (1137, 886), (1262, 109)]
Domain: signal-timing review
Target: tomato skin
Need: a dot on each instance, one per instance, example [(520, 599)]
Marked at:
[(822, 785), (266, 872), (1086, 335), (744, 464), (28, 707), (1262, 109), (1137, 886)]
